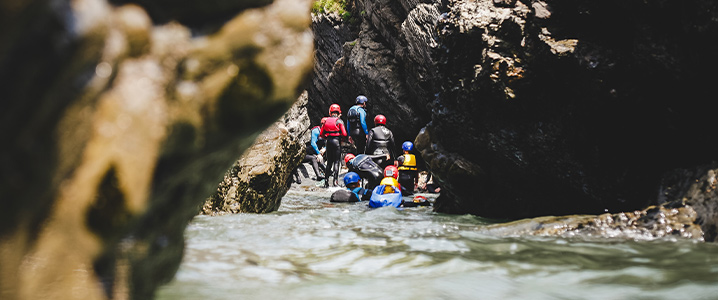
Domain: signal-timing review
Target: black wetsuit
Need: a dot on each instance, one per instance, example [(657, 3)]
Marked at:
[(365, 166), (381, 141), (355, 195), (356, 117), (333, 134), (311, 158), (407, 174)]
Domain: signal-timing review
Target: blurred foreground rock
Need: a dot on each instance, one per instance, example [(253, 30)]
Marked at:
[(115, 128), (257, 182)]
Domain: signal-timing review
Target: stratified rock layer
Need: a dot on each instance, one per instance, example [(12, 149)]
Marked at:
[(116, 128), (537, 107), (564, 107), (259, 179), (383, 54)]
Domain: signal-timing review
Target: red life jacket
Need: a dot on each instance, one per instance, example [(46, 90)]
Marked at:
[(330, 128)]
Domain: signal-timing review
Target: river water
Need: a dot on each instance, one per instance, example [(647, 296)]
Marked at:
[(312, 249)]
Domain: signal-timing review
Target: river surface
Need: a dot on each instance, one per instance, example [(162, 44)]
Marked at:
[(312, 249)]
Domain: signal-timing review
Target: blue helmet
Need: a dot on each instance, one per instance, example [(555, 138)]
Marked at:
[(407, 146), (361, 99), (351, 177)]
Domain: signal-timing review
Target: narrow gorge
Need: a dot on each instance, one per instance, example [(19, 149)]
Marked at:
[(120, 118)]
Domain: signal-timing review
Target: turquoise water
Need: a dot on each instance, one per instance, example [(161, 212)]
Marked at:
[(312, 249)]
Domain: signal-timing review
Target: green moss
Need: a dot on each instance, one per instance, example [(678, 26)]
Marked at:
[(329, 6)]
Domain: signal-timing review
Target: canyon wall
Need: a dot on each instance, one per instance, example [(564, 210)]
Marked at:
[(537, 107)]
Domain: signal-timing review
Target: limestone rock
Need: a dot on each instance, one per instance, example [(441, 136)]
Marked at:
[(259, 179)]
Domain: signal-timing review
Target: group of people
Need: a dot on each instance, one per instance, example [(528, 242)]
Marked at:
[(373, 157)]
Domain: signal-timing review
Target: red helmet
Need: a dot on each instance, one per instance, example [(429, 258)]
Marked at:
[(324, 120), (380, 119), (391, 171), (335, 108), (348, 157)]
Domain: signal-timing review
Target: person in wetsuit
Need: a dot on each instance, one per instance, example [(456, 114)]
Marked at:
[(381, 141), (366, 167), (333, 131), (356, 125), (353, 193), (313, 152), (407, 169), (390, 175)]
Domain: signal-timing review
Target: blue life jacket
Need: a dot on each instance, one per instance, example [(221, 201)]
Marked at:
[(379, 199)]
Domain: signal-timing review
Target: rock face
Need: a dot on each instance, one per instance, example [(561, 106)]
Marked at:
[(385, 57), (259, 179), (563, 107), (117, 124), (537, 107)]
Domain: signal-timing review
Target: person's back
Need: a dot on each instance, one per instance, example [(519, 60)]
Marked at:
[(381, 140), (356, 125), (333, 130), (353, 192), (366, 167), (408, 172)]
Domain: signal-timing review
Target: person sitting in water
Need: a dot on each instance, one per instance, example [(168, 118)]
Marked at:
[(388, 192), (390, 175), (353, 192), (366, 167)]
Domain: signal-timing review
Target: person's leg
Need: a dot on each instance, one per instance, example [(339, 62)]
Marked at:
[(311, 158), (295, 176), (332, 148), (374, 178), (337, 163), (407, 183), (360, 143)]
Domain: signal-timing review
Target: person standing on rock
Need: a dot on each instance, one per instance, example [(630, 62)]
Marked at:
[(381, 141), (358, 132), (366, 167), (313, 152), (407, 169), (332, 131)]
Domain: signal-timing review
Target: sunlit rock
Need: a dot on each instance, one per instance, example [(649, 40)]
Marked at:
[(259, 179)]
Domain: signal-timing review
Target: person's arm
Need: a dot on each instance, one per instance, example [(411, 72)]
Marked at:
[(315, 136), (369, 142), (321, 132), (400, 159), (362, 117), (391, 145), (348, 122), (340, 123), (378, 157)]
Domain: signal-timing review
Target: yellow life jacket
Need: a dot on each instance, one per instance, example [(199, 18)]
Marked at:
[(392, 185), (409, 163)]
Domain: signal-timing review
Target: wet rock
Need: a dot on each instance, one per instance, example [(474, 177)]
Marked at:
[(116, 128), (567, 107), (259, 179), (676, 220), (384, 56)]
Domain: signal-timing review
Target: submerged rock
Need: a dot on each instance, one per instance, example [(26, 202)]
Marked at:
[(116, 127), (674, 219), (259, 179)]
